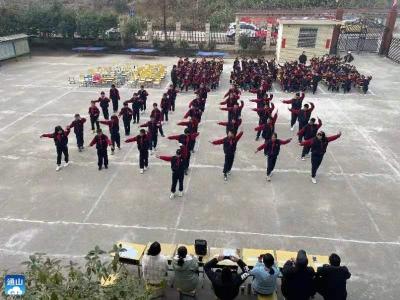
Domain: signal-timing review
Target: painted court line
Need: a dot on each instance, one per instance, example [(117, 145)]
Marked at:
[(33, 111), (192, 230)]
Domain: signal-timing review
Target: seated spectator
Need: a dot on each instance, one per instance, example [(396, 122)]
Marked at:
[(348, 58), (155, 268), (298, 279), (186, 269), (226, 283), (265, 275), (331, 279)]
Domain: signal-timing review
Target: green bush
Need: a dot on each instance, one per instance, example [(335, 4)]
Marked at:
[(49, 279), (182, 44), (257, 44)]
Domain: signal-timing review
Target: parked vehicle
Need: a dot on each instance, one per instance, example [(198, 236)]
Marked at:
[(245, 29)]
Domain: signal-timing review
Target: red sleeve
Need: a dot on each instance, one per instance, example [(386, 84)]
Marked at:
[(241, 105), (72, 125), (190, 103), (166, 158), (222, 123), (239, 136), (301, 131), (48, 135), (333, 137), (224, 108), (129, 101), (256, 100), (294, 111), (253, 91), (223, 102), (312, 106), (258, 128), (134, 139), (308, 142), (319, 123), (108, 141), (193, 136), (173, 137), (93, 142), (226, 94), (288, 101), (186, 115), (105, 122), (257, 109), (285, 141), (302, 96), (261, 147), (218, 142), (67, 132), (272, 107), (183, 123), (83, 120), (270, 98), (275, 118), (144, 125)]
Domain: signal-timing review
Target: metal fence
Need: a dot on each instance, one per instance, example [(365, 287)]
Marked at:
[(394, 50), (194, 37)]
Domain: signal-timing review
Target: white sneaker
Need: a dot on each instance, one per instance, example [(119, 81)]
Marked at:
[(180, 194), (145, 168), (313, 180), (141, 171), (292, 128), (66, 164), (268, 178), (225, 178), (303, 158), (172, 196), (151, 152), (58, 168), (229, 173)]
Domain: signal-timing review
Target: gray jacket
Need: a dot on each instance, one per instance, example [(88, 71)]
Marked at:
[(187, 275)]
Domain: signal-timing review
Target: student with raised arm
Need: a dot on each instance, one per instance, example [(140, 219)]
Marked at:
[(308, 132), (153, 127), (186, 141), (77, 124), (304, 114), (296, 103), (94, 114), (318, 147), (104, 104), (126, 114), (113, 125), (234, 112), (60, 137), (229, 142), (143, 144), (232, 126), (267, 128), (272, 147), (178, 171)]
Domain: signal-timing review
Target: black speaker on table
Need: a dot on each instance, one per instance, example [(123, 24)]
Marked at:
[(200, 247)]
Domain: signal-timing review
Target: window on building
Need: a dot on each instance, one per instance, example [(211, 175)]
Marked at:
[(307, 37)]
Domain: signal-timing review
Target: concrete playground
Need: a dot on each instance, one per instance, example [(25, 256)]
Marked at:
[(353, 210)]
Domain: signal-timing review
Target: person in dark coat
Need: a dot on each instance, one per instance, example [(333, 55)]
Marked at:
[(104, 103), (296, 103), (298, 278), (143, 94), (102, 142), (143, 145), (303, 58), (348, 58), (331, 279), (126, 114), (77, 124), (114, 96), (226, 284), (272, 148), (94, 114), (153, 128), (178, 172), (136, 105), (113, 125), (230, 143), (60, 138), (308, 132)]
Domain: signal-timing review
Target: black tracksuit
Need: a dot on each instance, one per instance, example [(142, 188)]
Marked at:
[(229, 150), (104, 106), (126, 114), (331, 282), (178, 171), (114, 96), (225, 290), (143, 145), (153, 128), (102, 143), (296, 105), (172, 97), (308, 132), (94, 117), (136, 106), (143, 99), (78, 130), (271, 151), (113, 125), (297, 283)]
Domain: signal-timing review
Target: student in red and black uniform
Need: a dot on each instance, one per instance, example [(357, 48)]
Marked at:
[(157, 115), (202, 91), (60, 138), (194, 113), (234, 112), (318, 149), (232, 126), (296, 103), (187, 142), (113, 125), (178, 172), (264, 101), (304, 114), (231, 100), (114, 96), (102, 142), (153, 128), (230, 143), (272, 148), (104, 103), (264, 115), (143, 145), (165, 107), (94, 113), (143, 94), (172, 92), (136, 105), (308, 132), (126, 114), (77, 124), (192, 124)]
